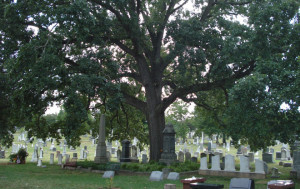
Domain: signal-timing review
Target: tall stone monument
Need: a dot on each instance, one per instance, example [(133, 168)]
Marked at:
[(101, 146), (168, 156)]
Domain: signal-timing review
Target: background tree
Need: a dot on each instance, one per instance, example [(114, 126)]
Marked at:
[(110, 52), (178, 116)]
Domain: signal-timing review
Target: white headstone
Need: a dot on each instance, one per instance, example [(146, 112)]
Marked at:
[(39, 163), (108, 174), (259, 166), (229, 163), (215, 165), (173, 176), (203, 163), (41, 153), (156, 176), (244, 164)]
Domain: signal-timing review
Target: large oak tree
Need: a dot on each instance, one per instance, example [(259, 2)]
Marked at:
[(145, 53)]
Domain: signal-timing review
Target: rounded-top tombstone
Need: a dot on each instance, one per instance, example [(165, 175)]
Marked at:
[(168, 156)]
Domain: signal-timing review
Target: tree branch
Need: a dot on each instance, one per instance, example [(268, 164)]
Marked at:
[(207, 10), (133, 101)]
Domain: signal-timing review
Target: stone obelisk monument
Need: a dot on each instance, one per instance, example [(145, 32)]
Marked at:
[(101, 146)]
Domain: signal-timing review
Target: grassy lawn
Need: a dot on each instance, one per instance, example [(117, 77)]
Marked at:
[(31, 176)]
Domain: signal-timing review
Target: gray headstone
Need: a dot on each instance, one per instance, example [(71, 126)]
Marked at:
[(180, 156), (275, 173), (156, 176), (278, 155), (240, 183), (108, 174), (267, 157), (173, 176), (187, 156), (101, 156)]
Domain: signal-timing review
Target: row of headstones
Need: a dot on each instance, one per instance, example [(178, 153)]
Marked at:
[(229, 164), (284, 155), (59, 157)]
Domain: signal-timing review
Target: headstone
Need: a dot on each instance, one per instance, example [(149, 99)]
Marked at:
[(203, 163), (108, 174), (170, 186), (278, 155), (244, 164), (54, 149), (283, 155), (239, 150), (34, 155), (229, 163), (59, 159), (296, 162), (156, 176), (144, 159), (187, 156), (275, 173), (134, 157), (168, 155), (196, 154), (244, 150), (272, 150), (126, 147), (215, 163), (119, 152), (194, 159), (51, 158), (180, 156), (41, 154), (85, 147), (251, 156), (39, 163), (287, 164), (267, 157), (113, 150), (259, 166), (166, 172), (173, 176), (209, 147), (203, 155), (101, 146)]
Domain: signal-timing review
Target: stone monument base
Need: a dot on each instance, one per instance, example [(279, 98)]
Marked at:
[(101, 160)]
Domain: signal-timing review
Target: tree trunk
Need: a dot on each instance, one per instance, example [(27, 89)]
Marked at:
[(156, 124), (156, 121)]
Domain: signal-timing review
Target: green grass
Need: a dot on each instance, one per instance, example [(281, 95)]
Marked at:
[(31, 176)]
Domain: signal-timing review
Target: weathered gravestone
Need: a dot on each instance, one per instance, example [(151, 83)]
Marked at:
[(126, 151), (134, 157), (296, 162), (173, 176), (244, 164), (215, 163), (229, 163), (267, 157), (156, 176), (168, 155), (101, 156), (251, 156), (51, 158), (108, 174), (203, 163), (144, 159), (278, 155), (275, 173), (187, 156), (259, 166), (180, 156)]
